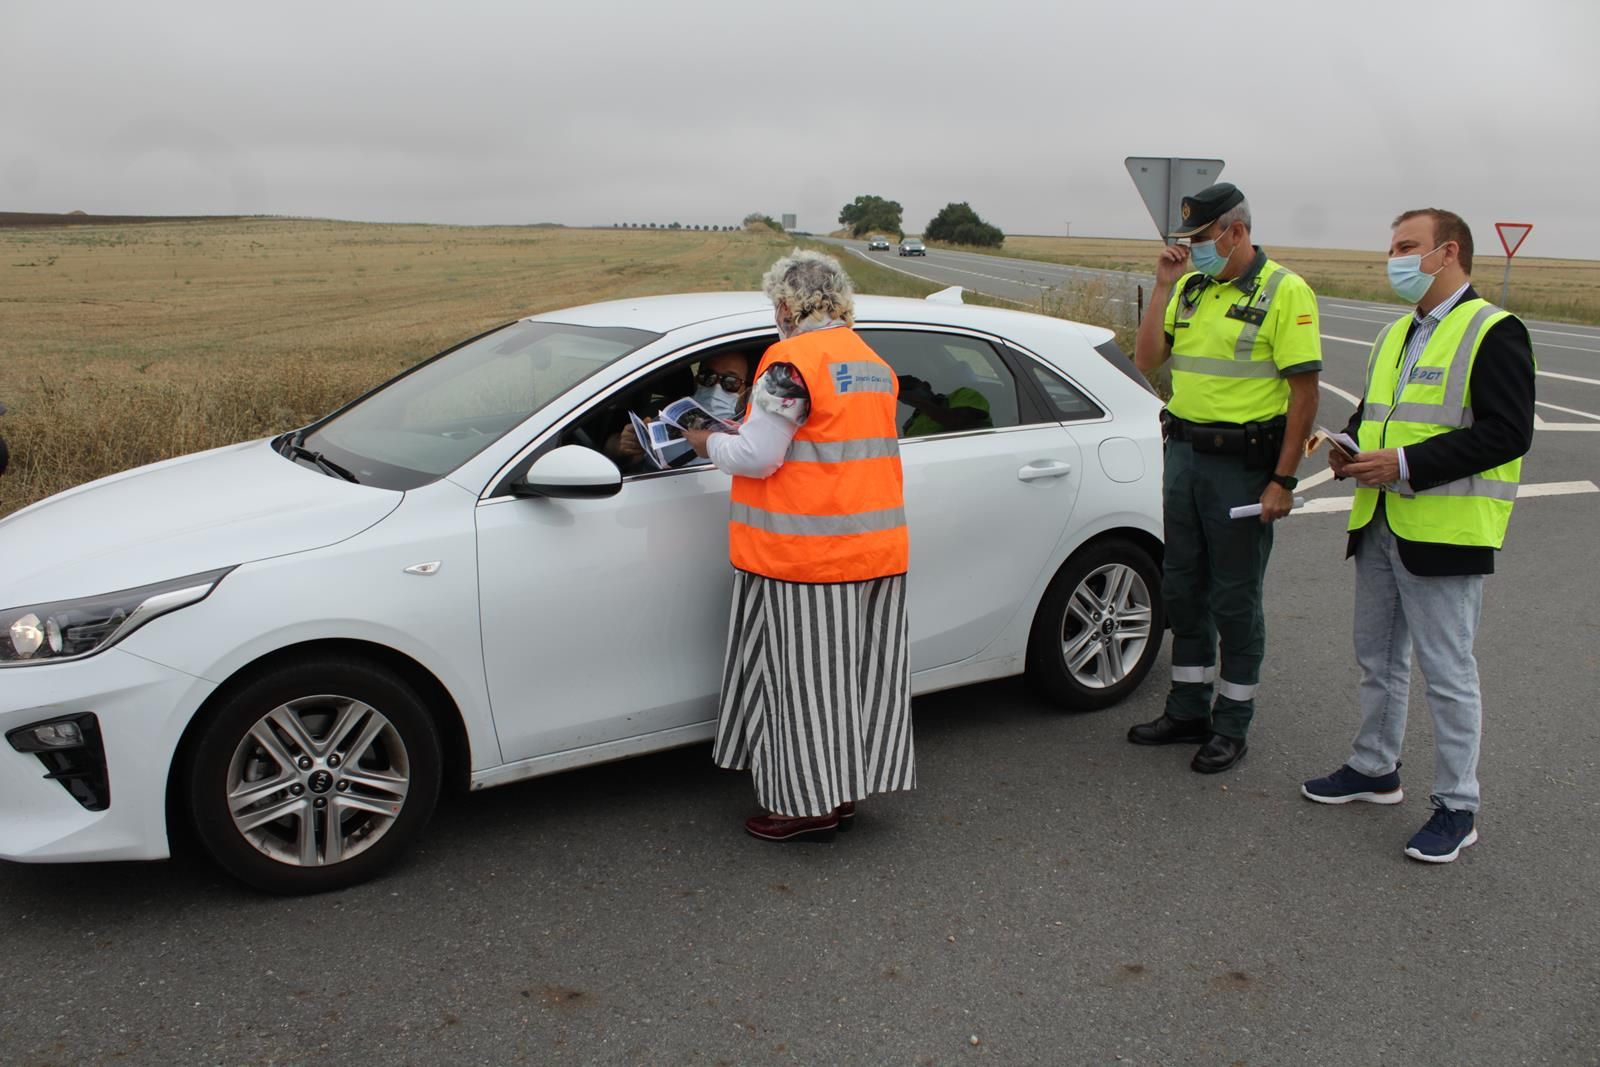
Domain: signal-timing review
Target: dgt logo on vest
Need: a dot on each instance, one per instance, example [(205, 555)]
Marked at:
[(860, 378), (1427, 375)]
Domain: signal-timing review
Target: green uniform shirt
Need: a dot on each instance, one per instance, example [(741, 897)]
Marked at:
[(1233, 368)]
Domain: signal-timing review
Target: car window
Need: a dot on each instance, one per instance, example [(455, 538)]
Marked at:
[(602, 426), (430, 420), (948, 383), (1065, 400)]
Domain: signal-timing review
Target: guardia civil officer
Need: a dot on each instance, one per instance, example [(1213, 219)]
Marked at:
[(1445, 419), (1241, 334)]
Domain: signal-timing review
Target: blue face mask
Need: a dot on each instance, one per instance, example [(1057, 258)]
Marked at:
[(1206, 259), (1407, 278), (717, 400)]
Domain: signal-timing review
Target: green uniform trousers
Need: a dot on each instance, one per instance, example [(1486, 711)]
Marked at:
[(1211, 581)]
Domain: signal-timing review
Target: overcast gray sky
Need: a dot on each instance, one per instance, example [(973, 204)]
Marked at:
[(1331, 116)]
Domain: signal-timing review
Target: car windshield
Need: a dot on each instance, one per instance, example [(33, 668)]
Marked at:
[(435, 417)]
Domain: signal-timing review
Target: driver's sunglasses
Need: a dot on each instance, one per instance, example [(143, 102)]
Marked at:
[(731, 383)]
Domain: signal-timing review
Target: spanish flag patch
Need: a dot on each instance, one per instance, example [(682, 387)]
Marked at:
[(1303, 320)]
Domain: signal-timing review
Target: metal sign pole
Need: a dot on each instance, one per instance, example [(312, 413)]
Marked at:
[(1512, 234)]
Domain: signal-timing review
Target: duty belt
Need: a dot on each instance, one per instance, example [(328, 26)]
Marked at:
[(1259, 441)]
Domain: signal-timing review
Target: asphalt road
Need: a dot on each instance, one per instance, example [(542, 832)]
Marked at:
[(1050, 894)]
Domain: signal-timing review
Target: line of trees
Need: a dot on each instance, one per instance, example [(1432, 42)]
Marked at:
[(956, 224), (667, 226)]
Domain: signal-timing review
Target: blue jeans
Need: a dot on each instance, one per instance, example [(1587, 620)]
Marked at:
[(1394, 610)]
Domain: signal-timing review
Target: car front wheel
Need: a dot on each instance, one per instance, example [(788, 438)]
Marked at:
[(314, 776), (1099, 626)]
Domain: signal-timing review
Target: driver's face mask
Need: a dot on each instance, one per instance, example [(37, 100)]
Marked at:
[(717, 400)]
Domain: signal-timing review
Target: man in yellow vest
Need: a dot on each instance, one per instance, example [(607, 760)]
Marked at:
[(1241, 334), (1445, 420)]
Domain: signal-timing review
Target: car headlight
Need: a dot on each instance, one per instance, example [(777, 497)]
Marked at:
[(72, 629)]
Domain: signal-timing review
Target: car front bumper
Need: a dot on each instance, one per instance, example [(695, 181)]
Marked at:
[(141, 708)]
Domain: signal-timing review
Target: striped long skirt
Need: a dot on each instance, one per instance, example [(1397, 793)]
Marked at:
[(816, 692)]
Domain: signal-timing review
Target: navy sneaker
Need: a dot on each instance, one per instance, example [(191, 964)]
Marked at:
[(1443, 838), (1346, 784)]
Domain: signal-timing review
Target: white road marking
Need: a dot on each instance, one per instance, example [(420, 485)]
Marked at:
[(1566, 348), (1332, 504), (1311, 481), (1566, 333), (1568, 411), (1357, 318), (925, 278), (1556, 489), (1570, 427), (1568, 377), (1347, 340), (1340, 393)]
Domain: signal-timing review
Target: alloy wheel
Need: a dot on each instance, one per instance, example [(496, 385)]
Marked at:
[(1107, 626), (318, 780)]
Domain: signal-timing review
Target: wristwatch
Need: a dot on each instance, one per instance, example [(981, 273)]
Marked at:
[(1288, 481)]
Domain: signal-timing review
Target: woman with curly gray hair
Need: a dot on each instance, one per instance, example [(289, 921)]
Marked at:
[(816, 692)]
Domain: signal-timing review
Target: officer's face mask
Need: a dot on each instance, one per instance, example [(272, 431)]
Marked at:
[(1206, 259), (1407, 278)]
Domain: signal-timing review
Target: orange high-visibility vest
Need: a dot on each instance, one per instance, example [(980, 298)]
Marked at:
[(835, 510)]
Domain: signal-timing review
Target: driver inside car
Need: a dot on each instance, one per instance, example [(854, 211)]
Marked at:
[(721, 386)]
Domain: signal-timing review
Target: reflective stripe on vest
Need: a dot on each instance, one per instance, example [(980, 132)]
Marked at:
[(819, 525), (1222, 368), (834, 511), (842, 451), (1473, 511), (1245, 346)]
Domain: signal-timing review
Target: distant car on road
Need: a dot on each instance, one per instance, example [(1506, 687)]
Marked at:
[(877, 243), (291, 645), (912, 247)]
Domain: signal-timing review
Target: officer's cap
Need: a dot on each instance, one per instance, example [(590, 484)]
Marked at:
[(1206, 207)]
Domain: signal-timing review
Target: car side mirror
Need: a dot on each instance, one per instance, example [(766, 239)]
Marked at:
[(571, 471)]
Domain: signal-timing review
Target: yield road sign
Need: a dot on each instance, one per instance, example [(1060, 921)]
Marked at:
[(1163, 182), (1512, 234)]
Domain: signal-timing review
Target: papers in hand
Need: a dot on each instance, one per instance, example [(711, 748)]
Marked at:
[(661, 440), (1246, 511), (1342, 441), (685, 414), (663, 447)]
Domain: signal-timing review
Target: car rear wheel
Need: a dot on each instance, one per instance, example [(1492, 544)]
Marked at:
[(1099, 626), (314, 776)]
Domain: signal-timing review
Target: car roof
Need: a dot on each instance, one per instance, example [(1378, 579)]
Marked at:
[(664, 314)]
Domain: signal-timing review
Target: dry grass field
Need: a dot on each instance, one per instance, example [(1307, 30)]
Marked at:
[(1567, 289), (122, 345)]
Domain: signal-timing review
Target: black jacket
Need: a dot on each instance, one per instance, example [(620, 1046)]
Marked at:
[(1501, 430)]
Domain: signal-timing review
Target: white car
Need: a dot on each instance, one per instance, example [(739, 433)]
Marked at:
[(295, 643)]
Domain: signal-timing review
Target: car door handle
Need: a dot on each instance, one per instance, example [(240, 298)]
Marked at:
[(1044, 468)]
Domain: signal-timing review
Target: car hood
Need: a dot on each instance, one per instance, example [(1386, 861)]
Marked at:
[(196, 513)]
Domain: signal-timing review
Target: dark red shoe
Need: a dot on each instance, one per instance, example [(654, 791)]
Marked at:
[(804, 828), (847, 816)]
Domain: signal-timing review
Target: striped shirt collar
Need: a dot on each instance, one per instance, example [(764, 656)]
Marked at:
[(1443, 308)]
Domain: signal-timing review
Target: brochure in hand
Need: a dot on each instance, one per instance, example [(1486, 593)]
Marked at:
[(661, 440), (1342, 441)]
